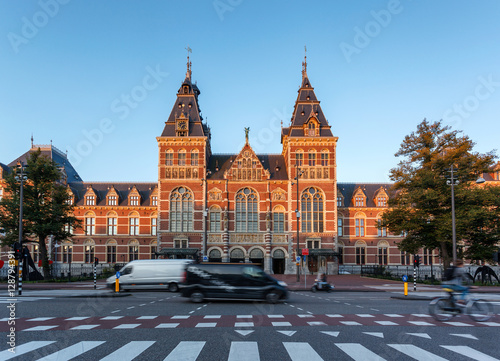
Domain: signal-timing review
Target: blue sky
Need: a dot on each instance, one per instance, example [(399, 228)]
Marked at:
[(99, 78)]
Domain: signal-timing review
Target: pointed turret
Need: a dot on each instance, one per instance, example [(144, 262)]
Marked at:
[(185, 118)]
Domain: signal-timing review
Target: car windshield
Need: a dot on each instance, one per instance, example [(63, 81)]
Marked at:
[(254, 272)]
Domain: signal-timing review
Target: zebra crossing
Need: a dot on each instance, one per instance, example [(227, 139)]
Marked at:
[(238, 351), (9, 300)]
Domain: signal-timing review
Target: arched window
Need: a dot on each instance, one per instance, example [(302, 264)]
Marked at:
[(237, 255), (169, 157), (214, 255), (154, 223), (133, 250), (111, 251), (360, 252), (214, 217), (279, 219), (112, 223), (181, 210), (182, 157), (383, 252), (194, 157), (312, 210), (359, 222), (89, 251), (312, 129), (340, 250), (324, 158), (89, 224), (134, 224), (247, 216), (381, 231), (312, 157), (340, 225)]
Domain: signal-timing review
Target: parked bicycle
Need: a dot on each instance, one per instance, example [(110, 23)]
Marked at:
[(445, 308)]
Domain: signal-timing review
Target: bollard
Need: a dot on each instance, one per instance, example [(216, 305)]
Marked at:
[(405, 280), (117, 285), (406, 288)]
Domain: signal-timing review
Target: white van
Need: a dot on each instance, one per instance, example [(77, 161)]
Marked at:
[(151, 274)]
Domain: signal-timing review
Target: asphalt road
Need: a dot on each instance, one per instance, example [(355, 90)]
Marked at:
[(164, 326)]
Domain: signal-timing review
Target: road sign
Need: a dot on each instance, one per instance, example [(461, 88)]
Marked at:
[(305, 251), (298, 258), (205, 258), (117, 274), (405, 278), (305, 259)]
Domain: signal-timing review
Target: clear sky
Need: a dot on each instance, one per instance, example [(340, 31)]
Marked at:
[(99, 78)]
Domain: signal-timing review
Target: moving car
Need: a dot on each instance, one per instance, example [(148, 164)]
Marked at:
[(231, 281), (151, 274)]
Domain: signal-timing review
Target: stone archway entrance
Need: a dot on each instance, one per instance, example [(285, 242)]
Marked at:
[(278, 261), (237, 256), (257, 257)]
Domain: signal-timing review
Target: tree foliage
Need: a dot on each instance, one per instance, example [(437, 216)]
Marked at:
[(46, 211), (421, 207)]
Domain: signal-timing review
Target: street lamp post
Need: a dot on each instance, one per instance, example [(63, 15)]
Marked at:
[(298, 173), (21, 177), (452, 181)]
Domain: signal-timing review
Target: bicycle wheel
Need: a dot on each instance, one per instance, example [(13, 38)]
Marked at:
[(479, 310), (441, 309)]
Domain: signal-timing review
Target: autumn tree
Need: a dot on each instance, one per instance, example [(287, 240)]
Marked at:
[(421, 208), (46, 210)]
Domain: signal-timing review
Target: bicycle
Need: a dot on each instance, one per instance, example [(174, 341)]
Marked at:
[(445, 308)]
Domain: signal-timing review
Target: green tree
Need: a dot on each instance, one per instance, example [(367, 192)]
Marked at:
[(421, 206), (46, 210)]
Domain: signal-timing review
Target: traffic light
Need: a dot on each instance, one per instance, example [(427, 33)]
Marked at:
[(17, 250), (96, 261), (416, 261)]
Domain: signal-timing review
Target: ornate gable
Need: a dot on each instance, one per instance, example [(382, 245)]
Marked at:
[(359, 198), (380, 197), (71, 195), (247, 166), (90, 196), (134, 197), (112, 197)]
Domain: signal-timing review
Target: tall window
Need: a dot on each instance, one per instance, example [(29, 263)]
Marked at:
[(111, 253), (360, 255), (247, 217), (279, 219), (339, 201), (89, 253), (35, 253), (154, 200), (312, 210), (194, 157), (112, 225), (112, 200), (405, 258), (383, 254), (134, 200), (90, 200), (312, 158), (360, 227), (341, 254), (153, 250), (300, 158), (181, 210), (169, 157), (89, 225), (427, 256), (381, 202), (182, 157), (381, 231), (313, 244), (324, 158), (180, 243), (134, 225), (68, 228), (133, 251), (67, 253), (340, 227), (312, 129), (214, 219), (153, 226)]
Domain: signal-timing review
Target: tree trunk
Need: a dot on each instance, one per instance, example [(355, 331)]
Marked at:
[(444, 254), (44, 257)]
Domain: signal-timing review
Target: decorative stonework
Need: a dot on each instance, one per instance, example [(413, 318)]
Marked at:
[(215, 238), (279, 238), (246, 238), (215, 194), (278, 195)]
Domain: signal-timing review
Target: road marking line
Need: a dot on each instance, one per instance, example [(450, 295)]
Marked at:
[(206, 324), (24, 348), (84, 327), (40, 328), (167, 325), (470, 352), (417, 352), (126, 326), (299, 351), (350, 323), (244, 351), (243, 324), (278, 324), (186, 351), (358, 352), (72, 351), (129, 351)]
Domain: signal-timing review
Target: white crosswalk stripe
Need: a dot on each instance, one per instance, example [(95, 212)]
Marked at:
[(24, 348), (244, 351), (238, 351), (417, 353), (470, 352), (185, 351), (358, 352), (128, 352), (72, 351), (22, 299)]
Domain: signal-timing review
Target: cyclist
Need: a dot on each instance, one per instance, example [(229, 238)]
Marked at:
[(457, 281)]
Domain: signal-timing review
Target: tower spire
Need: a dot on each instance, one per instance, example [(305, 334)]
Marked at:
[(188, 72), (304, 63)]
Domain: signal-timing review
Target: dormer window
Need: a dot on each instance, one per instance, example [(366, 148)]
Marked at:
[(359, 201), (134, 200), (186, 89), (381, 202), (112, 201), (312, 129), (90, 201), (154, 200)]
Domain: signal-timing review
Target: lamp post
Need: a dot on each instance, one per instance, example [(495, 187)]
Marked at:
[(21, 177), (205, 214), (298, 173), (452, 181)]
